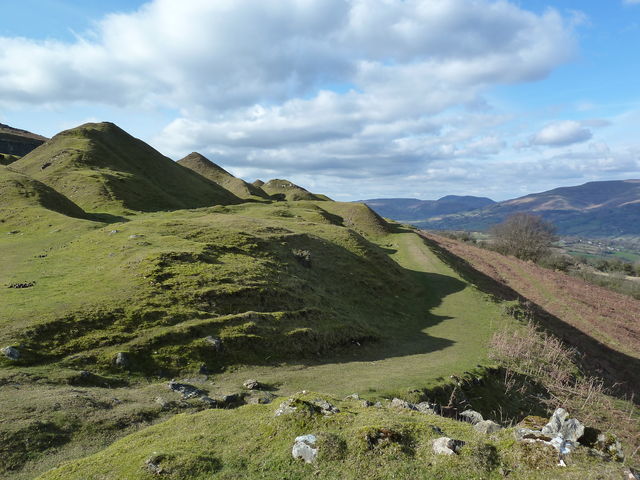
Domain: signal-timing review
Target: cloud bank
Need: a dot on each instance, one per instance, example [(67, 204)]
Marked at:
[(325, 91)]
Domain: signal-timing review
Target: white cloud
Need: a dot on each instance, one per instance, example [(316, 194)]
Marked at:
[(319, 90), (631, 2), (561, 134)]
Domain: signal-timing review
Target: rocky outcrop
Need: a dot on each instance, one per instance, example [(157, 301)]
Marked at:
[(447, 446), (304, 448)]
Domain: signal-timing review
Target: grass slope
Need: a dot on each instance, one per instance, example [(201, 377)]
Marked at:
[(103, 169), (285, 190), (251, 443), (205, 167), (23, 197)]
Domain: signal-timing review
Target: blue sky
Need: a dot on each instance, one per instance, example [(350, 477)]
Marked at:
[(353, 98)]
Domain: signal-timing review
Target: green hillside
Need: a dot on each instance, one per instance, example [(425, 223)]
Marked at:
[(23, 196), (102, 168), (286, 190), (205, 167)]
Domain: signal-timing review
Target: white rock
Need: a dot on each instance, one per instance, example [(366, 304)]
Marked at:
[(305, 449)]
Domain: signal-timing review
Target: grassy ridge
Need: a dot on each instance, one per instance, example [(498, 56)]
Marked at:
[(104, 169)]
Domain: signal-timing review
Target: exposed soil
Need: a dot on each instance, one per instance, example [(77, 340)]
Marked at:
[(602, 325)]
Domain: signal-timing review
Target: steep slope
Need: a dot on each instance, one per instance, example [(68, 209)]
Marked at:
[(286, 190), (16, 142), (608, 208), (23, 198), (205, 167), (104, 169), (414, 209)]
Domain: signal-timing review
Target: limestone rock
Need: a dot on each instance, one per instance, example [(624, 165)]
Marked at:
[(251, 384), (216, 343), (446, 446), (472, 417), (487, 427), (555, 422), (122, 360), (325, 407), (304, 448), (399, 403), (12, 353), (186, 390), (426, 407)]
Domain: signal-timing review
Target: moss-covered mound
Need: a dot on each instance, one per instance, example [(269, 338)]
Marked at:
[(22, 196), (104, 169), (205, 167), (357, 442), (286, 190)]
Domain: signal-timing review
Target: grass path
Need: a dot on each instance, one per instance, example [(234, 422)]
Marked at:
[(456, 322)]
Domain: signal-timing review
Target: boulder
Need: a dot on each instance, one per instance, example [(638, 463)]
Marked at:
[(186, 390), (426, 407), (366, 403), (325, 407), (399, 403), (214, 342), (12, 353), (571, 430), (487, 427), (446, 446), (122, 360), (353, 396), (251, 384), (471, 416), (304, 448), (555, 422)]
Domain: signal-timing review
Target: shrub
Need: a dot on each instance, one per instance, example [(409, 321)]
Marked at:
[(525, 236)]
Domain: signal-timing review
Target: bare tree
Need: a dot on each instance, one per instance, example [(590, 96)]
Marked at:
[(525, 236)]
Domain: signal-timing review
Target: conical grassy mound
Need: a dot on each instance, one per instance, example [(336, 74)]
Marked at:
[(205, 167), (104, 169), (22, 197), (286, 190)]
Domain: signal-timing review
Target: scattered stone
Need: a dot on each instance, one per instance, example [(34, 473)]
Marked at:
[(303, 256), (426, 407), (22, 285), (186, 390), (353, 396), (209, 401), (152, 464), (472, 417), (229, 401), (631, 474), (215, 342), (609, 446), (399, 403), (164, 404), (135, 236), (251, 384), (571, 430), (366, 403), (113, 232), (12, 353), (446, 446), (286, 408), (325, 407), (487, 427), (378, 405), (304, 448), (555, 422), (122, 360), (263, 398)]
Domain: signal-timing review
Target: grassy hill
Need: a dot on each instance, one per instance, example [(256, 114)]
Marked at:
[(285, 190), (205, 167), (102, 168), (595, 209)]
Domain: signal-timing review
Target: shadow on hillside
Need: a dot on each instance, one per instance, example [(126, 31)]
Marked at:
[(107, 218), (620, 372)]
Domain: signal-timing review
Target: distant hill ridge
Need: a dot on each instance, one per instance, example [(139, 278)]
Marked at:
[(101, 167), (286, 190), (15, 143), (604, 208), (415, 209)]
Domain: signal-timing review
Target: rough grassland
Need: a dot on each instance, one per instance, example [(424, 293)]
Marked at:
[(251, 443)]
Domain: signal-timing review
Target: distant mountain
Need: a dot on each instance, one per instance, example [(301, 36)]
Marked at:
[(602, 209), (102, 168), (14, 143), (412, 209), (286, 190), (205, 167)]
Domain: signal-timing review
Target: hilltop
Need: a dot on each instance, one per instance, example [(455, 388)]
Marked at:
[(286, 190), (14, 143), (205, 167), (102, 168)]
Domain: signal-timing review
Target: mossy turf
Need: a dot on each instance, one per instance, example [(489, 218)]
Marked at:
[(359, 442)]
